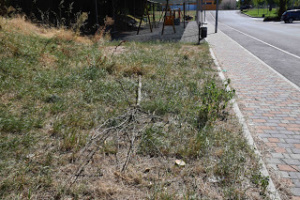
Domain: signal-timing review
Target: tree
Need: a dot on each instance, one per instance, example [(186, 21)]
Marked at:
[(271, 4), (257, 3), (282, 7), (293, 4), (245, 3)]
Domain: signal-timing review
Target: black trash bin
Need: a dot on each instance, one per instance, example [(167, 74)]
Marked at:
[(203, 32)]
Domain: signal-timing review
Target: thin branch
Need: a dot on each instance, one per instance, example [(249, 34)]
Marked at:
[(127, 99), (129, 151), (123, 41)]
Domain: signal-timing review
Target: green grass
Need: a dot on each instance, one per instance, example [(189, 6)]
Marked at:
[(255, 12), (61, 100)]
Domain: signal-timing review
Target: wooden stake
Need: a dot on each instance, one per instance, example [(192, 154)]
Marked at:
[(139, 92)]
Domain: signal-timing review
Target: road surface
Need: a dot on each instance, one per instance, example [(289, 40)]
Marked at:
[(275, 43)]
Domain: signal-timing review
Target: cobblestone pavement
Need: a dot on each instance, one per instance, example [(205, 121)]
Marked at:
[(270, 104)]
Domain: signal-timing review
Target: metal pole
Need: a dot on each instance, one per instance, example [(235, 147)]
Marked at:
[(198, 21), (197, 13), (217, 10), (201, 13)]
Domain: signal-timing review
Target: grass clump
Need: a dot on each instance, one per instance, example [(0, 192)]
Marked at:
[(79, 118), (261, 12)]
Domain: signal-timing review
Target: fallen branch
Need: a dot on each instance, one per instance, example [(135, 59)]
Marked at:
[(133, 121), (129, 151)]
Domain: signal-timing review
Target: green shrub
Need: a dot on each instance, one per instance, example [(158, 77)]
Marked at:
[(268, 18), (214, 102)]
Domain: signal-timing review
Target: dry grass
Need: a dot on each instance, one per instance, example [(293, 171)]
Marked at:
[(19, 24), (71, 127), (48, 60), (101, 35)]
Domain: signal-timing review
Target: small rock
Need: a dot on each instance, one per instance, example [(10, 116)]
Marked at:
[(180, 163), (150, 185), (214, 179)]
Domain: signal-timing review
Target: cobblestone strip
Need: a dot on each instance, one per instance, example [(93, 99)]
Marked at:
[(270, 104)]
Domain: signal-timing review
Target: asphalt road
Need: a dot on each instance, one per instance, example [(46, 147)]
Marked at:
[(275, 43)]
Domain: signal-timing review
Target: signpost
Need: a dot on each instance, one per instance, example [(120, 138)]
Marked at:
[(217, 10)]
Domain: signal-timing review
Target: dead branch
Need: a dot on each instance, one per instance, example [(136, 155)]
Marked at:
[(129, 150), (123, 41), (133, 121)]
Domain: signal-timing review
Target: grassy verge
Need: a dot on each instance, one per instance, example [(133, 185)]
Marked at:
[(82, 118), (255, 12)]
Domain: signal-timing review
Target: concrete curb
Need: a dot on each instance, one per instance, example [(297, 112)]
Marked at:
[(251, 16), (273, 193), (263, 18)]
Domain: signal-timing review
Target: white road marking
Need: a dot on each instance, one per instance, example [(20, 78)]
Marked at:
[(284, 51)]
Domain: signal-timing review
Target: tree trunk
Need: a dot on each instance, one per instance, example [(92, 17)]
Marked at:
[(282, 7)]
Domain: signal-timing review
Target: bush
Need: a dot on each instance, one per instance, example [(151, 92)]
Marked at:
[(276, 19), (214, 102)]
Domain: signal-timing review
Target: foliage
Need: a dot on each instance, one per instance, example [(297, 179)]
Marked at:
[(214, 102), (263, 11), (245, 2), (294, 4), (259, 2), (271, 19), (261, 180)]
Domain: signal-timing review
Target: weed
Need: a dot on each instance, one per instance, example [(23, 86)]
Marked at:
[(80, 22), (110, 147), (214, 102), (153, 142), (261, 181)]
